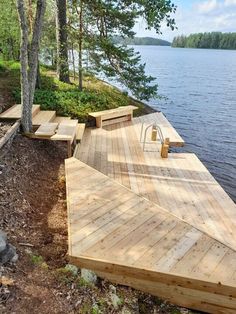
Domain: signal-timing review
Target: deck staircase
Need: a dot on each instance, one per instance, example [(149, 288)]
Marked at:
[(47, 125)]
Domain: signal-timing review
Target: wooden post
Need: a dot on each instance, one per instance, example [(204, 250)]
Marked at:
[(99, 122), (69, 149), (165, 148), (154, 134)]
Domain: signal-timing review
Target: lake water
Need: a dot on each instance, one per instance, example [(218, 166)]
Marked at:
[(200, 86)]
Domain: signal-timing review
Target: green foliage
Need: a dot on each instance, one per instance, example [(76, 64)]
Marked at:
[(9, 30), (66, 99), (214, 40), (38, 260), (101, 21), (64, 275)]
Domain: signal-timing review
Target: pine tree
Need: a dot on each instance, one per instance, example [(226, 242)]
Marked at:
[(99, 21)]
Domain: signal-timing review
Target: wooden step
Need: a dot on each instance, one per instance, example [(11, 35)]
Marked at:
[(46, 129), (14, 112), (43, 116), (66, 131), (59, 119)]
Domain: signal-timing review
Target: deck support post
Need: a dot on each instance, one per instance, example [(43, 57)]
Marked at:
[(165, 148), (69, 149)]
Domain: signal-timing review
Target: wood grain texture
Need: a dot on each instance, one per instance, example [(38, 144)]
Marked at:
[(130, 240), (14, 113), (180, 183), (113, 116)]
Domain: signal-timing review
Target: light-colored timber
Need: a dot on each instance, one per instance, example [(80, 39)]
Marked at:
[(9, 134), (59, 119), (46, 129), (167, 129), (14, 113), (180, 183), (66, 131), (80, 132), (132, 241), (112, 116), (43, 116)]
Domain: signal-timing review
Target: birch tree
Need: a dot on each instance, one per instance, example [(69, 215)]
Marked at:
[(29, 58)]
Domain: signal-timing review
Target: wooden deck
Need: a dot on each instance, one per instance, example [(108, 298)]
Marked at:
[(167, 129), (180, 184), (132, 241)]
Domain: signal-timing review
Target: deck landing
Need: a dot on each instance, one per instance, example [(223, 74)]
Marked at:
[(180, 184), (132, 241)]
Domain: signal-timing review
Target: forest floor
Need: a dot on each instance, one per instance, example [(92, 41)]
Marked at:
[(33, 214)]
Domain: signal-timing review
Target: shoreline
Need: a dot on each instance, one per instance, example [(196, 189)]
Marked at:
[(147, 108)]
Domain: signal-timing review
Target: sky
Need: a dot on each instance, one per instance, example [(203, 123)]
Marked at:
[(195, 17)]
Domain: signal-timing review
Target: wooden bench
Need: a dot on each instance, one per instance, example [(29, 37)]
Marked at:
[(107, 117)]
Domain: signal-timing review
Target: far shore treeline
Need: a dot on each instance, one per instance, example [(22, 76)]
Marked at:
[(146, 41), (213, 40)]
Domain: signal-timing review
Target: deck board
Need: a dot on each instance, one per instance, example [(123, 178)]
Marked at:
[(66, 131), (43, 116), (14, 112), (114, 231), (181, 184), (46, 129), (167, 129)]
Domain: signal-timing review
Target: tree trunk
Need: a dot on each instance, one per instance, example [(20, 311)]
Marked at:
[(62, 47), (29, 64), (81, 46), (38, 78), (73, 60), (26, 117), (34, 47)]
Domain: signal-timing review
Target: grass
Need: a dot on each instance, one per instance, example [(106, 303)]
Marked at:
[(66, 99)]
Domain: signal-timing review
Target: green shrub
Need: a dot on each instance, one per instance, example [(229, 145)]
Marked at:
[(66, 99)]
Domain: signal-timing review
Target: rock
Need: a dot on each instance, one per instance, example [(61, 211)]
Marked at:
[(88, 276), (72, 268), (7, 251), (112, 289), (125, 310), (8, 255), (115, 300), (3, 239)]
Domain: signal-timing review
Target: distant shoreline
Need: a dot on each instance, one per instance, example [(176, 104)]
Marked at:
[(141, 41)]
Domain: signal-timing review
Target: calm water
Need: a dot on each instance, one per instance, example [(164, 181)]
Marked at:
[(200, 86)]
